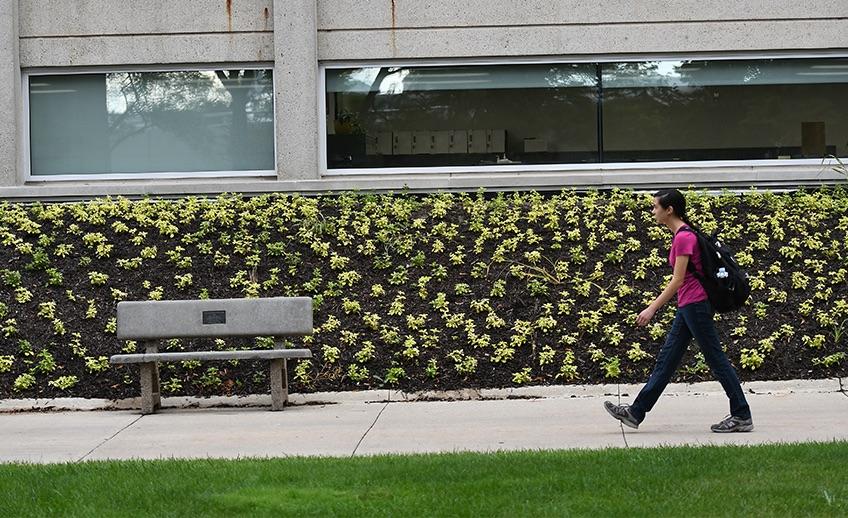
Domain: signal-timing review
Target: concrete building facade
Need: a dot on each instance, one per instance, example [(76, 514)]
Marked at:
[(626, 69)]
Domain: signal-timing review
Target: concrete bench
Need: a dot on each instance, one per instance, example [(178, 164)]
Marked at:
[(150, 321)]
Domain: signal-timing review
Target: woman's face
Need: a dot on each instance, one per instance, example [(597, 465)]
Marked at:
[(660, 214)]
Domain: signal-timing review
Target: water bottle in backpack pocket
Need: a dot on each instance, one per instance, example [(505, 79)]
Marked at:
[(724, 281)]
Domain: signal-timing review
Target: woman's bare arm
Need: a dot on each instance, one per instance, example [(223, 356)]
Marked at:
[(680, 265)]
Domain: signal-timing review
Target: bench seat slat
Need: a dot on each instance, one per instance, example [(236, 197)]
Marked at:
[(264, 354)]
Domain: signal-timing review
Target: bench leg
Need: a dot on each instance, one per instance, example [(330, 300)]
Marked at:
[(152, 347), (149, 387), (279, 384), (157, 392)]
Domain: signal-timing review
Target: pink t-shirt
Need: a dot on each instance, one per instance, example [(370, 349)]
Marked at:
[(686, 243)]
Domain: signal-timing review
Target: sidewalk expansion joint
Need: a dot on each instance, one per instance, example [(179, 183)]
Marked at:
[(109, 438), (620, 424), (386, 404)]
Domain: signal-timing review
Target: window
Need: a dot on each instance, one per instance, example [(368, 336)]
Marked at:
[(151, 122), (586, 113), (724, 110), (461, 116)]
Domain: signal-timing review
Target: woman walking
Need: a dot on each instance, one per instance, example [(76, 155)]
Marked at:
[(694, 319)]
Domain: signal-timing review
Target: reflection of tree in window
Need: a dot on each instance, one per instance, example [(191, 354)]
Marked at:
[(215, 105), (555, 104), (643, 102), (662, 83)]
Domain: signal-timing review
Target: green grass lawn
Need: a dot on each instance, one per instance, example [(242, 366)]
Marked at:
[(775, 480)]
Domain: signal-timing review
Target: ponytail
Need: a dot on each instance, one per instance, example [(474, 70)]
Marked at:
[(688, 223)]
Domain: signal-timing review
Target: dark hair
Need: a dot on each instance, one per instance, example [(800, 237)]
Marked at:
[(674, 199)]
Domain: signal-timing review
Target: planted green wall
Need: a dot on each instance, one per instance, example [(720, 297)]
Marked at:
[(435, 291)]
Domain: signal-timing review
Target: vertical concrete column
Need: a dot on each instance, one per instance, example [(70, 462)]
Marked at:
[(296, 88), (10, 93)]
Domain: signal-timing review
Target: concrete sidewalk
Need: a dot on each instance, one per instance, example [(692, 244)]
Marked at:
[(374, 422)]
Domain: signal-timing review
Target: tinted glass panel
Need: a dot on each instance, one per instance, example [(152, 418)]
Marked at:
[(724, 110), (143, 122), (461, 115)]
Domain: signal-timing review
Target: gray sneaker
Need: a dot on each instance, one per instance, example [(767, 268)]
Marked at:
[(622, 413), (733, 424)]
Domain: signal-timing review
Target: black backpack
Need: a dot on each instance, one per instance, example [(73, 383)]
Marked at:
[(724, 281)]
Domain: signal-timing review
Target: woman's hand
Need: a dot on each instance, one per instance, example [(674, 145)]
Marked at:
[(645, 317), (668, 293)]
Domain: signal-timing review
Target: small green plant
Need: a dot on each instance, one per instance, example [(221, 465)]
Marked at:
[(58, 327), (700, 366), (612, 367), (220, 259), (366, 353), (156, 293), (22, 295), (148, 252), (751, 359), (464, 364), (410, 349), (498, 288), (47, 310), (302, 372), (183, 281), (521, 377), (172, 386), (394, 374), (211, 378), (97, 278), (331, 354), (351, 306), (10, 327), (91, 310), (432, 369), (23, 382), (64, 382), (635, 353), (503, 353), (6, 362), (111, 326), (63, 250), (130, 264), (815, 342), (99, 364), (830, 360), (54, 277), (440, 302), (45, 361), (11, 278), (357, 373), (568, 369)]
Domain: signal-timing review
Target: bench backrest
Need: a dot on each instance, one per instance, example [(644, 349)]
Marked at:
[(276, 316)]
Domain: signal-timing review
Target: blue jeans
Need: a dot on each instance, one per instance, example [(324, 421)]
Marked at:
[(692, 320)]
